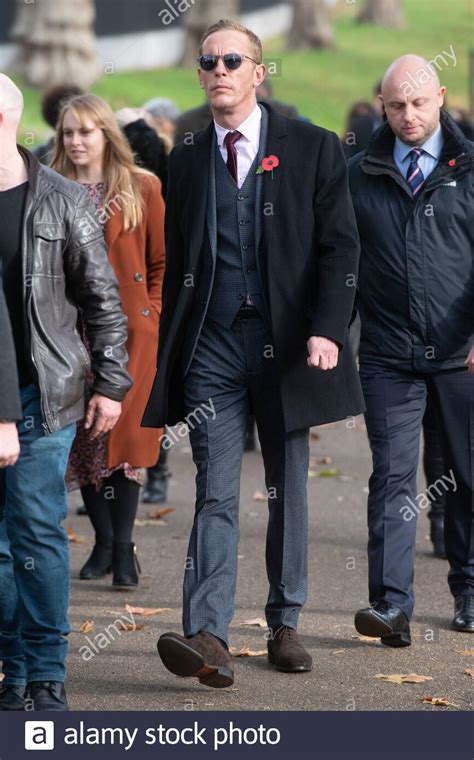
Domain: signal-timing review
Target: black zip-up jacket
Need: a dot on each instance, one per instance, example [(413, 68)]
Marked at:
[(66, 270), (416, 276)]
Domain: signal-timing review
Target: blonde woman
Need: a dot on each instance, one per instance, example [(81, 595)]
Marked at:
[(91, 149)]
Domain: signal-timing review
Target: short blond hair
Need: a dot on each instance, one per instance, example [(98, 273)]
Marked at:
[(227, 24)]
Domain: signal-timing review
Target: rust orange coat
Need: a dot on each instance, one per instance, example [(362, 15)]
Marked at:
[(138, 260)]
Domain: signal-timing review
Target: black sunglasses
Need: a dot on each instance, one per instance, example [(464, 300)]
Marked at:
[(232, 61)]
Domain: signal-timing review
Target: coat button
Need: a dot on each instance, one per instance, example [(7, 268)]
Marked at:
[(138, 277), (146, 312)]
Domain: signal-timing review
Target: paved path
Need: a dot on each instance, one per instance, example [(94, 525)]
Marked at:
[(127, 673)]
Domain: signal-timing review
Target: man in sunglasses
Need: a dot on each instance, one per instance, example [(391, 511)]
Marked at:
[(262, 254)]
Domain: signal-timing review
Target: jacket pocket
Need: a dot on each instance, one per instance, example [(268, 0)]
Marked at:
[(49, 244)]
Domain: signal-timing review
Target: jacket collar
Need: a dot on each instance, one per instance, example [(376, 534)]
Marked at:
[(456, 146), (33, 168)]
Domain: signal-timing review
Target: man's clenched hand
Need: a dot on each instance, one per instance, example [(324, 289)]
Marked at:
[(102, 414), (323, 353), (470, 360), (9, 444)]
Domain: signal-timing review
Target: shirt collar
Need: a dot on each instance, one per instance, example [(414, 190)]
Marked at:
[(432, 146), (250, 128)]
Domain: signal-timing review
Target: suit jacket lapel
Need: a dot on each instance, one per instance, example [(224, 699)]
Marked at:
[(276, 146), (211, 214), (200, 156)]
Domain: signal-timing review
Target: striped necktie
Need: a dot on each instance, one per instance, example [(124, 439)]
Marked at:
[(415, 176)]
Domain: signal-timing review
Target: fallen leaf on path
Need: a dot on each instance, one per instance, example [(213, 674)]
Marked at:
[(131, 626), (314, 436), (338, 651), (315, 461), (438, 701), (469, 672), (260, 622), (87, 626), (73, 539), (312, 474), (403, 678), (329, 473), (259, 496), (360, 637), (245, 651), (159, 513), (147, 610), (466, 652), (141, 523)]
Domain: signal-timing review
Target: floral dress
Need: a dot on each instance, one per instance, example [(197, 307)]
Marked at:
[(88, 459)]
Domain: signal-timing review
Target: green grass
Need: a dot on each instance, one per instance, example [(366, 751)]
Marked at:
[(321, 83)]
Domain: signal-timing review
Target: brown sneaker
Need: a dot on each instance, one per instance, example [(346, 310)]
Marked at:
[(201, 656), (286, 652)]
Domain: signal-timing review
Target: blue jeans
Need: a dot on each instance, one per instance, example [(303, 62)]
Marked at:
[(34, 552)]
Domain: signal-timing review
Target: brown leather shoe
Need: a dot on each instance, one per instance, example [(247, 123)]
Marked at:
[(201, 656), (286, 652)]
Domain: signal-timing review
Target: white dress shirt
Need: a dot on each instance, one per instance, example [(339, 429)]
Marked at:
[(246, 147)]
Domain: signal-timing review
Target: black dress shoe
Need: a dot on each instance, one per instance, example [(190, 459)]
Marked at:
[(286, 652), (99, 563), (464, 614), (125, 566), (385, 620), (12, 698), (156, 487), (48, 695), (437, 536), (201, 656)]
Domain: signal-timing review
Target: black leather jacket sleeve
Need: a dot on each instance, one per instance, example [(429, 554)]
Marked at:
[(94, 288)]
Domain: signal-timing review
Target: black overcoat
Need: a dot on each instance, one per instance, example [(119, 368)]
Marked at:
[(309, 253)]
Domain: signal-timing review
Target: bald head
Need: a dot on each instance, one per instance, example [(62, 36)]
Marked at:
[(410, 68), (412, 97), (11, 102)]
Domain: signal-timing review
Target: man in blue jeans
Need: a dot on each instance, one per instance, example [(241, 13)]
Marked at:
[(53, 265)]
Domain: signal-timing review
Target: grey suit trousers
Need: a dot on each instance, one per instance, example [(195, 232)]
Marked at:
[(231, 369)]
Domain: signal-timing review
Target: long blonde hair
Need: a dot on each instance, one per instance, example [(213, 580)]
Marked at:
[(122, 177)]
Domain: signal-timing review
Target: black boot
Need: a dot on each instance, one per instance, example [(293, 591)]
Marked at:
[(437, 535), (156, 488), (48, 695), (125, 565), (99, 563), (12, 698)]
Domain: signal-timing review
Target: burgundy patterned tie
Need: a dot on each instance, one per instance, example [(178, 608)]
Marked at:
[(229, 141)]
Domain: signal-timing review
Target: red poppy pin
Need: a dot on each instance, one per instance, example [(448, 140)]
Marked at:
[(268, 165), (452, 162)]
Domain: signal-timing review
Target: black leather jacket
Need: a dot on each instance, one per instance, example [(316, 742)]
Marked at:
[(66, 271)]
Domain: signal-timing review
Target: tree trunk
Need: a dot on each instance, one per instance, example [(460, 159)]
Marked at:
[(56, 43), (200, 17), (383, 13), (311, 26)]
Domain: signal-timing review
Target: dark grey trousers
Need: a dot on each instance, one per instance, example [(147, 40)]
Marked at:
[(396, 404), (232, 369)]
